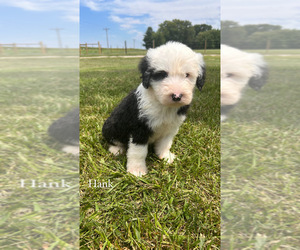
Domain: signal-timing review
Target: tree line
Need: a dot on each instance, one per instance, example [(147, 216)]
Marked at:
[(259, 36), (197, 36)]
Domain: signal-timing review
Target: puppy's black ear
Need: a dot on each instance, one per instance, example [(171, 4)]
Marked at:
[(256, 82), (201, 78), (144, 68)]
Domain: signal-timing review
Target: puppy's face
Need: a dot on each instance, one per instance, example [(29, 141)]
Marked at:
[(170, 73), (238, 69)]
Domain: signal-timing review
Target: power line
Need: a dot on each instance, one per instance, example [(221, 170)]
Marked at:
[(58, 36), (106, 29)]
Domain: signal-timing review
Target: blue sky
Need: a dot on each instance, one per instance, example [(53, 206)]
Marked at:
[(32, 21), (129, 19)]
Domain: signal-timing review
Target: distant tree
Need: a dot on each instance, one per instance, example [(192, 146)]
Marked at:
[(148, 38), (257, 40), (159, 38), (259, 36), (177, 30), (184, 32), (235, 37), (229, 24), (201, 28), (233, 34), (212, 38), (279, 39), (252, 28), (215, 39), (292, 38)]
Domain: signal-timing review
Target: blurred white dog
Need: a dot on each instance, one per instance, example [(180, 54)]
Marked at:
[(239, 69), (153, 113)]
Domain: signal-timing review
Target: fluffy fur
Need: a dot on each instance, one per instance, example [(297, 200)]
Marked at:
[(239, 69), (66, 131), (153, 113)]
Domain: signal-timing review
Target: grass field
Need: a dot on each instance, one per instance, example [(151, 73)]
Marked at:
[(111, 52), (260, 163), (27, 52), (174, 206), (277, 52), (34, 92), (92, 51)]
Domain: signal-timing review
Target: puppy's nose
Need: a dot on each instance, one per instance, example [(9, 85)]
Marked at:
[(176, 97)]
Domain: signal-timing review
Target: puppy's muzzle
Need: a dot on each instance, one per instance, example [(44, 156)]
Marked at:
[(176, 97)]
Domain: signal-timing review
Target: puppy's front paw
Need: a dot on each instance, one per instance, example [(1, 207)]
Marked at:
[(137, 170), (168, 156)]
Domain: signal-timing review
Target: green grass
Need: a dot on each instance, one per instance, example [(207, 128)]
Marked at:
[(174, 206), (209, 51), (111, 52), (34, 92), (274, 52), (92, 51), (260, 163), (25, 52)]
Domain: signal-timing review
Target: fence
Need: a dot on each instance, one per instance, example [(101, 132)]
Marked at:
[(15, 47), (85, 47), (95, 49)]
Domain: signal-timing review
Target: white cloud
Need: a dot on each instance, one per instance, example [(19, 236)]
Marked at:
[(284, 13), (127, 22), (92, 4), (152, 13), (68, 8), (72, 17)]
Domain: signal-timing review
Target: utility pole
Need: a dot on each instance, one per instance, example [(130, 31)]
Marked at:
[(134, 43), (106, 29), (58, 36)]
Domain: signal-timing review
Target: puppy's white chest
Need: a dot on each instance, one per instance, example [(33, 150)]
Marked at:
[(166, 129)]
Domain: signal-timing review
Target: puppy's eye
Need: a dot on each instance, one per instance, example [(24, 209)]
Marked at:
[(187, 75), (229, 75), (160, 75)]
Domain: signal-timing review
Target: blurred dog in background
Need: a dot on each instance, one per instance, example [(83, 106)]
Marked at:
[(66, 131), (239, 69)]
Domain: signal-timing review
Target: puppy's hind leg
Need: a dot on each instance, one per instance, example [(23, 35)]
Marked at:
[(136, 159), (117, 149)]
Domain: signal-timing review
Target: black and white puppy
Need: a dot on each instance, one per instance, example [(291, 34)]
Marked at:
[(66, 131), (153, 113), (239, 69)]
